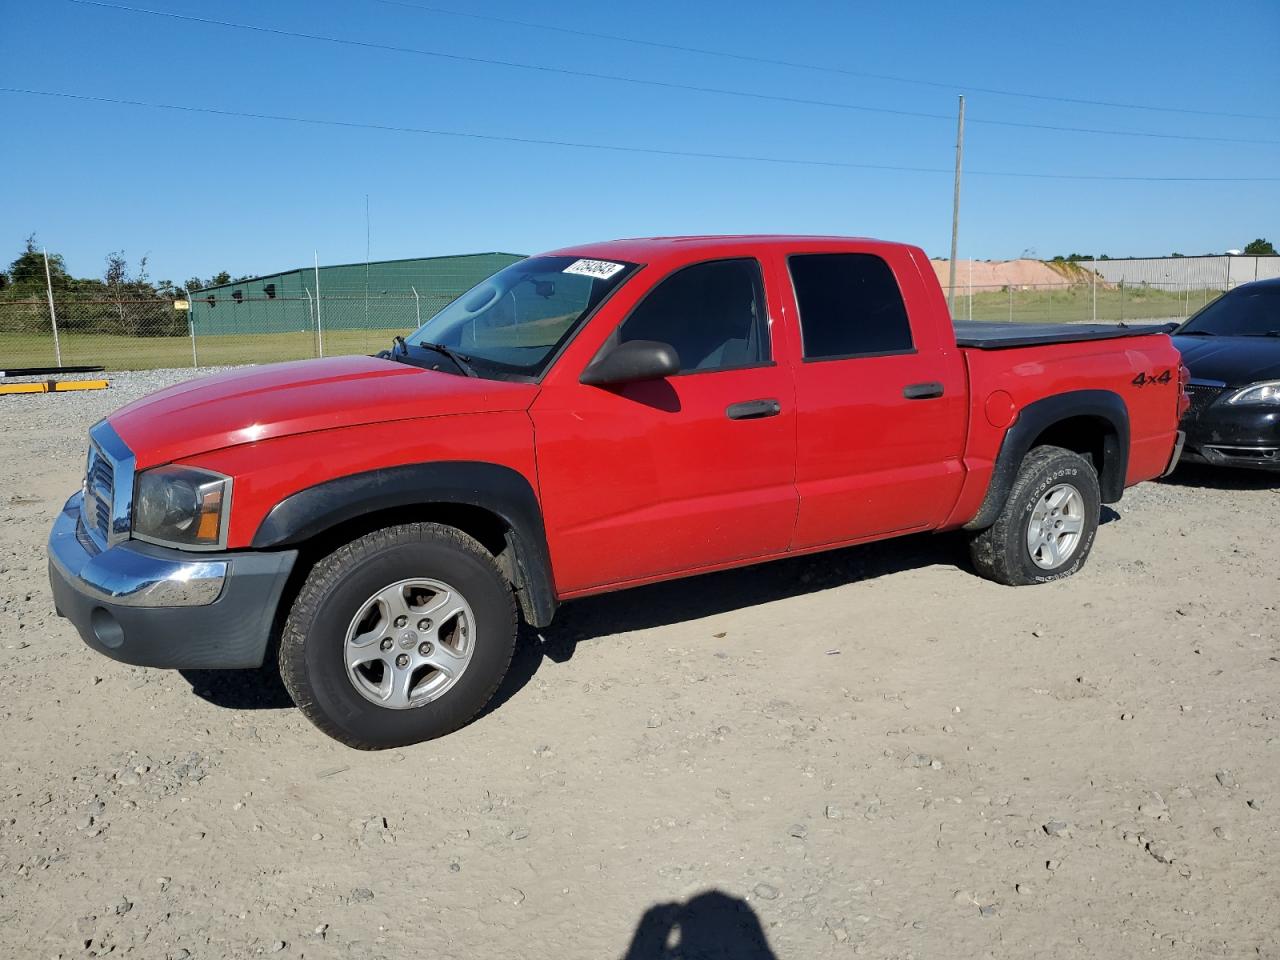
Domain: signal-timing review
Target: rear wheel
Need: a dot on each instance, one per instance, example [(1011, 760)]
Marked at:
[(399, 636), (1046, 528)]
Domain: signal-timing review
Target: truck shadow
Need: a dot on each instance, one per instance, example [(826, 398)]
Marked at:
[(642, 608), (260, 689), (710, 925), (693, 598), (1206, 477)]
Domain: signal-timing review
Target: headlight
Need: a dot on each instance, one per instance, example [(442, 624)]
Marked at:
[(182, 507), (1266, 392)]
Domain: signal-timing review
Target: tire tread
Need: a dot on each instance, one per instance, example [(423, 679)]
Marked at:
[(989, 549), (327, 574)]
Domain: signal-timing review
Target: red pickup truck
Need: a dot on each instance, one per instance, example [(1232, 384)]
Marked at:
[(583, 421)]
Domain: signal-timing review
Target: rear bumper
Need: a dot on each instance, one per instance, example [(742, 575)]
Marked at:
[(1231, 436), (158, 607)]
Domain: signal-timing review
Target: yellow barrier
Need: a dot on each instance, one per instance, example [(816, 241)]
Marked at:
[(54, 386)]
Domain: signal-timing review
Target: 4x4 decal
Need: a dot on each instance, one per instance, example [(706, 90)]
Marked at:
[(1142, 380)]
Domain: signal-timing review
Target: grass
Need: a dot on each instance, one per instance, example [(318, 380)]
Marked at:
[(1076, 304), (148, 353), (114, 352)]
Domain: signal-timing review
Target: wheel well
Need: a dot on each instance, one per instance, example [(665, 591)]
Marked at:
[(488, 529), (1093, 437)]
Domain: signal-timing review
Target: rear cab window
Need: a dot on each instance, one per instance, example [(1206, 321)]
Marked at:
[(850, 305)]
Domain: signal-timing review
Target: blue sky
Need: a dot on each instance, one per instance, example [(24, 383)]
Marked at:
[(200, 193)]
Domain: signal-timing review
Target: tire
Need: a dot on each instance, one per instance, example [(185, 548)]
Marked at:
[(1049, 478), (344, 612)]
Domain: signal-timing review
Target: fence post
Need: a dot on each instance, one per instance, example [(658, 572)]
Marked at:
[(311, 318), (319, 326), (53, 314), (971, 288), (191, 328), (1010, 289), (1122, 301), (417, 306), (1095, 290)]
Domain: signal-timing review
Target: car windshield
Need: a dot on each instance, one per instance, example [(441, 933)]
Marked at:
[(1252, 311), (514, 322)]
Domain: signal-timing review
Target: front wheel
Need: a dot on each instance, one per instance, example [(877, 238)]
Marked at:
[(1046, 528), (399, 636)]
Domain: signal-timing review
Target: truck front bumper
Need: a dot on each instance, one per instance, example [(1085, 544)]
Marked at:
[(158, 607)]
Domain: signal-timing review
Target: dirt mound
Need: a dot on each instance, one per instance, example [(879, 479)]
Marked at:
[(1003, 273)]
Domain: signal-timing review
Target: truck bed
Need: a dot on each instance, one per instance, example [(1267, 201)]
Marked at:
[(1005, 336)]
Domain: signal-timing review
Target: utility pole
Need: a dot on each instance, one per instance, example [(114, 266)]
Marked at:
[(366, 265), (955, 208)]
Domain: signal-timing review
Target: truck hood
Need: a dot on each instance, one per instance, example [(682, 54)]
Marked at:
[(1235, 361), (281, 399)]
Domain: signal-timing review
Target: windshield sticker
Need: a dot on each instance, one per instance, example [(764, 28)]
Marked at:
[(600, 269)]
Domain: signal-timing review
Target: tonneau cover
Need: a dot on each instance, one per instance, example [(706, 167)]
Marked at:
[(1005, 335)]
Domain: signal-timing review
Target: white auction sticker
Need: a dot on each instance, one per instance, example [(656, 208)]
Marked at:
[(600, 269)]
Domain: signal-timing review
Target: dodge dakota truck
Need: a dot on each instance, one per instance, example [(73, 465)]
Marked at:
[(583, 421)]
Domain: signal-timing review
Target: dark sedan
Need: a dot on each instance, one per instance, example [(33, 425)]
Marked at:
[(1232, 348)]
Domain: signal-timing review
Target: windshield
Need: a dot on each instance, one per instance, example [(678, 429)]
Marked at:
[(1246, 312), (514, 322)]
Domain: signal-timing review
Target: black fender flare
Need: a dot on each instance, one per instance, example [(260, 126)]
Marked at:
[(1033, 420), (499, 490)]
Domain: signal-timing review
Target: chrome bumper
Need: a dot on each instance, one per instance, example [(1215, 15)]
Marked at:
[(1177, 453), (156, 606), (130, 574)]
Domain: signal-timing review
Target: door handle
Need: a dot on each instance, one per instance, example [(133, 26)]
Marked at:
[(753, 409), (922, 391)]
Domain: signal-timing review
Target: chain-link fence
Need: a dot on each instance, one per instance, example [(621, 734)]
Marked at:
[(118, 334), (121, 334), (1083, 302), (146, 334)]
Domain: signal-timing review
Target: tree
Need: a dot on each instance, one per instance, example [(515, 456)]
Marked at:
[(115, 277), (26, 273), (1260, 248)]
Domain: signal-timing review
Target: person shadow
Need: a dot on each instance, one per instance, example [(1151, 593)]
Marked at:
[(710, 926)]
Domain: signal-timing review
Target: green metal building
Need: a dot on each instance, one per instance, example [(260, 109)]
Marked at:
[(387, 294)]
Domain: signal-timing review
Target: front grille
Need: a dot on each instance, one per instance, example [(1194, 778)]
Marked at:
[(99, 494), (108, 487), (1202, 395)]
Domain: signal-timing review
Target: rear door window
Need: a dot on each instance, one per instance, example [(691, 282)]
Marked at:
[(850, 306)]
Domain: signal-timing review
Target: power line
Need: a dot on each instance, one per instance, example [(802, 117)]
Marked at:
[(820, 68), (616, 148), (664, 84)]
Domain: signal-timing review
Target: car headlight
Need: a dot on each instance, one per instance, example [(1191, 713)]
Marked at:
[(1266, 392), (182, 507)]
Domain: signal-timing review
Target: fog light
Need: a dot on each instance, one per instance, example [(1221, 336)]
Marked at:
[(106, 629)]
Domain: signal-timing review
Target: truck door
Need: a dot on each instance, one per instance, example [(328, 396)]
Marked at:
[(881, 400), (649, 479)]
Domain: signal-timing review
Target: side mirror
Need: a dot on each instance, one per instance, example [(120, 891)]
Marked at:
[(631, 362)]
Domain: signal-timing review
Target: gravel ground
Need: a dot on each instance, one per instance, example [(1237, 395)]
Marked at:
[(868, 753)]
